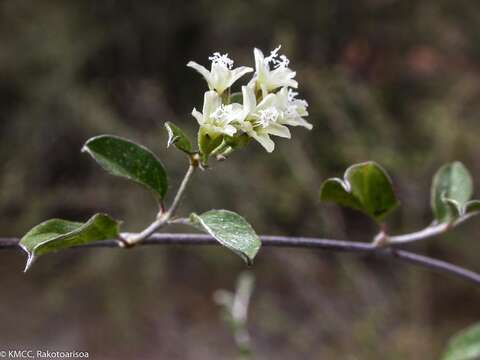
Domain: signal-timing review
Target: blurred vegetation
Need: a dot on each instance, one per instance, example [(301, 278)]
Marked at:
[(387, 80)]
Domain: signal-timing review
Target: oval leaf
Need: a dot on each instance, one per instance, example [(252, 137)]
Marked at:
[(472, 206), (56, 234), (465, 345), (178, 138), (231, 230), (452, 187), (366, 187), (121, 157)]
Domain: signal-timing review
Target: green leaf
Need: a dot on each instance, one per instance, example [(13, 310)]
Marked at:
[(472, 206), (178, 138), (126, 159), (453, 207), (231, 230), (452, 187), (366, 187), (56, 234), (465, 345)]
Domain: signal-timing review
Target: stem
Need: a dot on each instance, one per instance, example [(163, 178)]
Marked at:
[(176, 201), (428, 232), (134, 239), (294, 242), (182, 221), (163, 217)]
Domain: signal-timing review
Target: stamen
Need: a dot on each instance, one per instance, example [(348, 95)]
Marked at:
[(273, 54), (292, 98), (291, 95), (283, 62), (222, 114), (267, 116), (278, 61), (222, 60)]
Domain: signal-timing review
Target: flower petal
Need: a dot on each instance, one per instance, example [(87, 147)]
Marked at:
[(298, 121), (282, 77), (197, 115), (238, 73), (252, 83), (259, 59), (249, 100), (220, 76), (264, 140), (267, 101), (202, 70), (211, 101), (279, 130)]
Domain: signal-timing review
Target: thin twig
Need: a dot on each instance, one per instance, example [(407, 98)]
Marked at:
[(295, 242), (162, 217), (176, 201), (429, 232)]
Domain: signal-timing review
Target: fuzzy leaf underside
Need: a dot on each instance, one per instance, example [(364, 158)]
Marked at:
[(452, 188)]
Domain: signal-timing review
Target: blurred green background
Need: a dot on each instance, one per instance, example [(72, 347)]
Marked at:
[(397, 82)]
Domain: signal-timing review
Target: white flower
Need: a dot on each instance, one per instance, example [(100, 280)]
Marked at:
[(267, 79), (215, 118), (293, 110), (261, 120), (221, 76)]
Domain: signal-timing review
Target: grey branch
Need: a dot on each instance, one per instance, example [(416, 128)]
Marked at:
[(295, 242)]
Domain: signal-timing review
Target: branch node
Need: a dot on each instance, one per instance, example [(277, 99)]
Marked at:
[(124, 243), (196, 160), (381, 240)]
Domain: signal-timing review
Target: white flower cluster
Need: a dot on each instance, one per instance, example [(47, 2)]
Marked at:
[(269, 103)]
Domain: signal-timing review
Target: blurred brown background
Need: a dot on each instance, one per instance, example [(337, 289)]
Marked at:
[(393, 81)]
